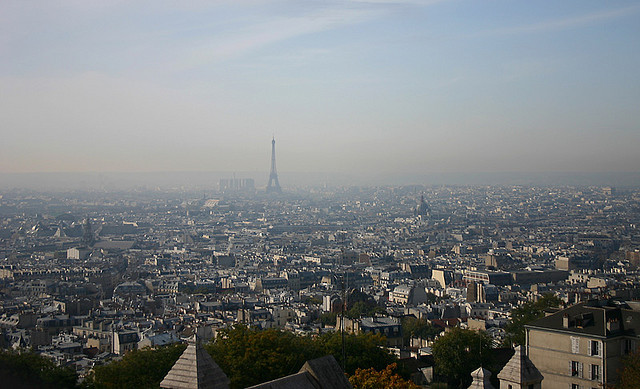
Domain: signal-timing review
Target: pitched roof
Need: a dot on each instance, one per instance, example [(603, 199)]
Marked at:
[(520, 369), (195, 369), (320, 373)]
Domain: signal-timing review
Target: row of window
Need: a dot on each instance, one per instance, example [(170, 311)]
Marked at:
[(594, 347), (577, 386), (575, 369)]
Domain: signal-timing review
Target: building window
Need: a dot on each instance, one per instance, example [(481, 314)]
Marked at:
[(594, 347), (628, 346), (595, 372), (575, 386), (575, 369), (575, 345)]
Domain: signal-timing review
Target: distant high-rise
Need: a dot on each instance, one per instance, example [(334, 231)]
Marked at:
[(274, 185), (87, 233), (423, 208)]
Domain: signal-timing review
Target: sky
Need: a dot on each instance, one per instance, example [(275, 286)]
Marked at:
[(358, 87)]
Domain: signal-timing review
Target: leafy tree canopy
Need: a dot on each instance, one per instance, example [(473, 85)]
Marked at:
[(460, 351), (419, 328), (374, 379), (364, 309), (137, 369), (250, 356), (629, 374), (526, 314), (362, 351), (28, 369)]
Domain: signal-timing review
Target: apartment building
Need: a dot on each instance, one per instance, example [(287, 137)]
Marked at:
[(582, 347)]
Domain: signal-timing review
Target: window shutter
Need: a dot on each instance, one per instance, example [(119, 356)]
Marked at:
[(570, 369), (580, 370), (590, 350)]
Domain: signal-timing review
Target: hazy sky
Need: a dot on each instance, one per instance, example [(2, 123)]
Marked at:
[(351, 86)]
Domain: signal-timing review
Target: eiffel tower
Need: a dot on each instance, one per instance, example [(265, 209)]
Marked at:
[(274, 185)]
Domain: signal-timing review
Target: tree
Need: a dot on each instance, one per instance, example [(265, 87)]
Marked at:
[(420, 328), (362, 351), (137, 369), (526, 314), (250, 356), (364, 309), (374, 379), (460, 351), (28, 369), (629, 374), (328, 319)]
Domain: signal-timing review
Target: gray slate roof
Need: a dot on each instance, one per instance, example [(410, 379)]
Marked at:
[(320, 373), (520, 369), (586, 319), (195, 369)]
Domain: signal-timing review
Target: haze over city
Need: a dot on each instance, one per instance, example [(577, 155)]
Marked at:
[(351, 87)]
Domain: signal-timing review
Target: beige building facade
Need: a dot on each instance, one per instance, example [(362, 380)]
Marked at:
[(582, 347)]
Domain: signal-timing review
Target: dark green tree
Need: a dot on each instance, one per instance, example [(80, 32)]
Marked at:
[(526, 314), (629, 373), (28, 369), (458, 352), (362, 351), (364, 309), (250, 356), (420, 328), (328, 319), (137, 369)]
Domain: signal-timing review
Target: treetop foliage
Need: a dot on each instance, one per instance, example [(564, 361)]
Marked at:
[(248, 356), (30, 370), (137, 369), (526, 314), (374, 379), (460, 351), (629, 373)]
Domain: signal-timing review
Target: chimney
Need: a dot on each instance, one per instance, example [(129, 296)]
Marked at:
[(565, 320)]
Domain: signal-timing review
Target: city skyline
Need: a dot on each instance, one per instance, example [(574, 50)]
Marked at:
[(361, 88)]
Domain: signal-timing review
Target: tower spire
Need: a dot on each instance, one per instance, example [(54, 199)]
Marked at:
[(274, 185)]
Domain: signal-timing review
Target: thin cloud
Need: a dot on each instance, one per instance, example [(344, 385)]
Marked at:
[(571, 22)]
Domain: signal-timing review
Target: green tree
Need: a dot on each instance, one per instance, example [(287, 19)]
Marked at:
[(30, 369), (364, 309), (362, 351), (374, 379), (629, 374), (328, 319), (526, 314), (460, 351), (250, 356), (420, 328), (137, 369)]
